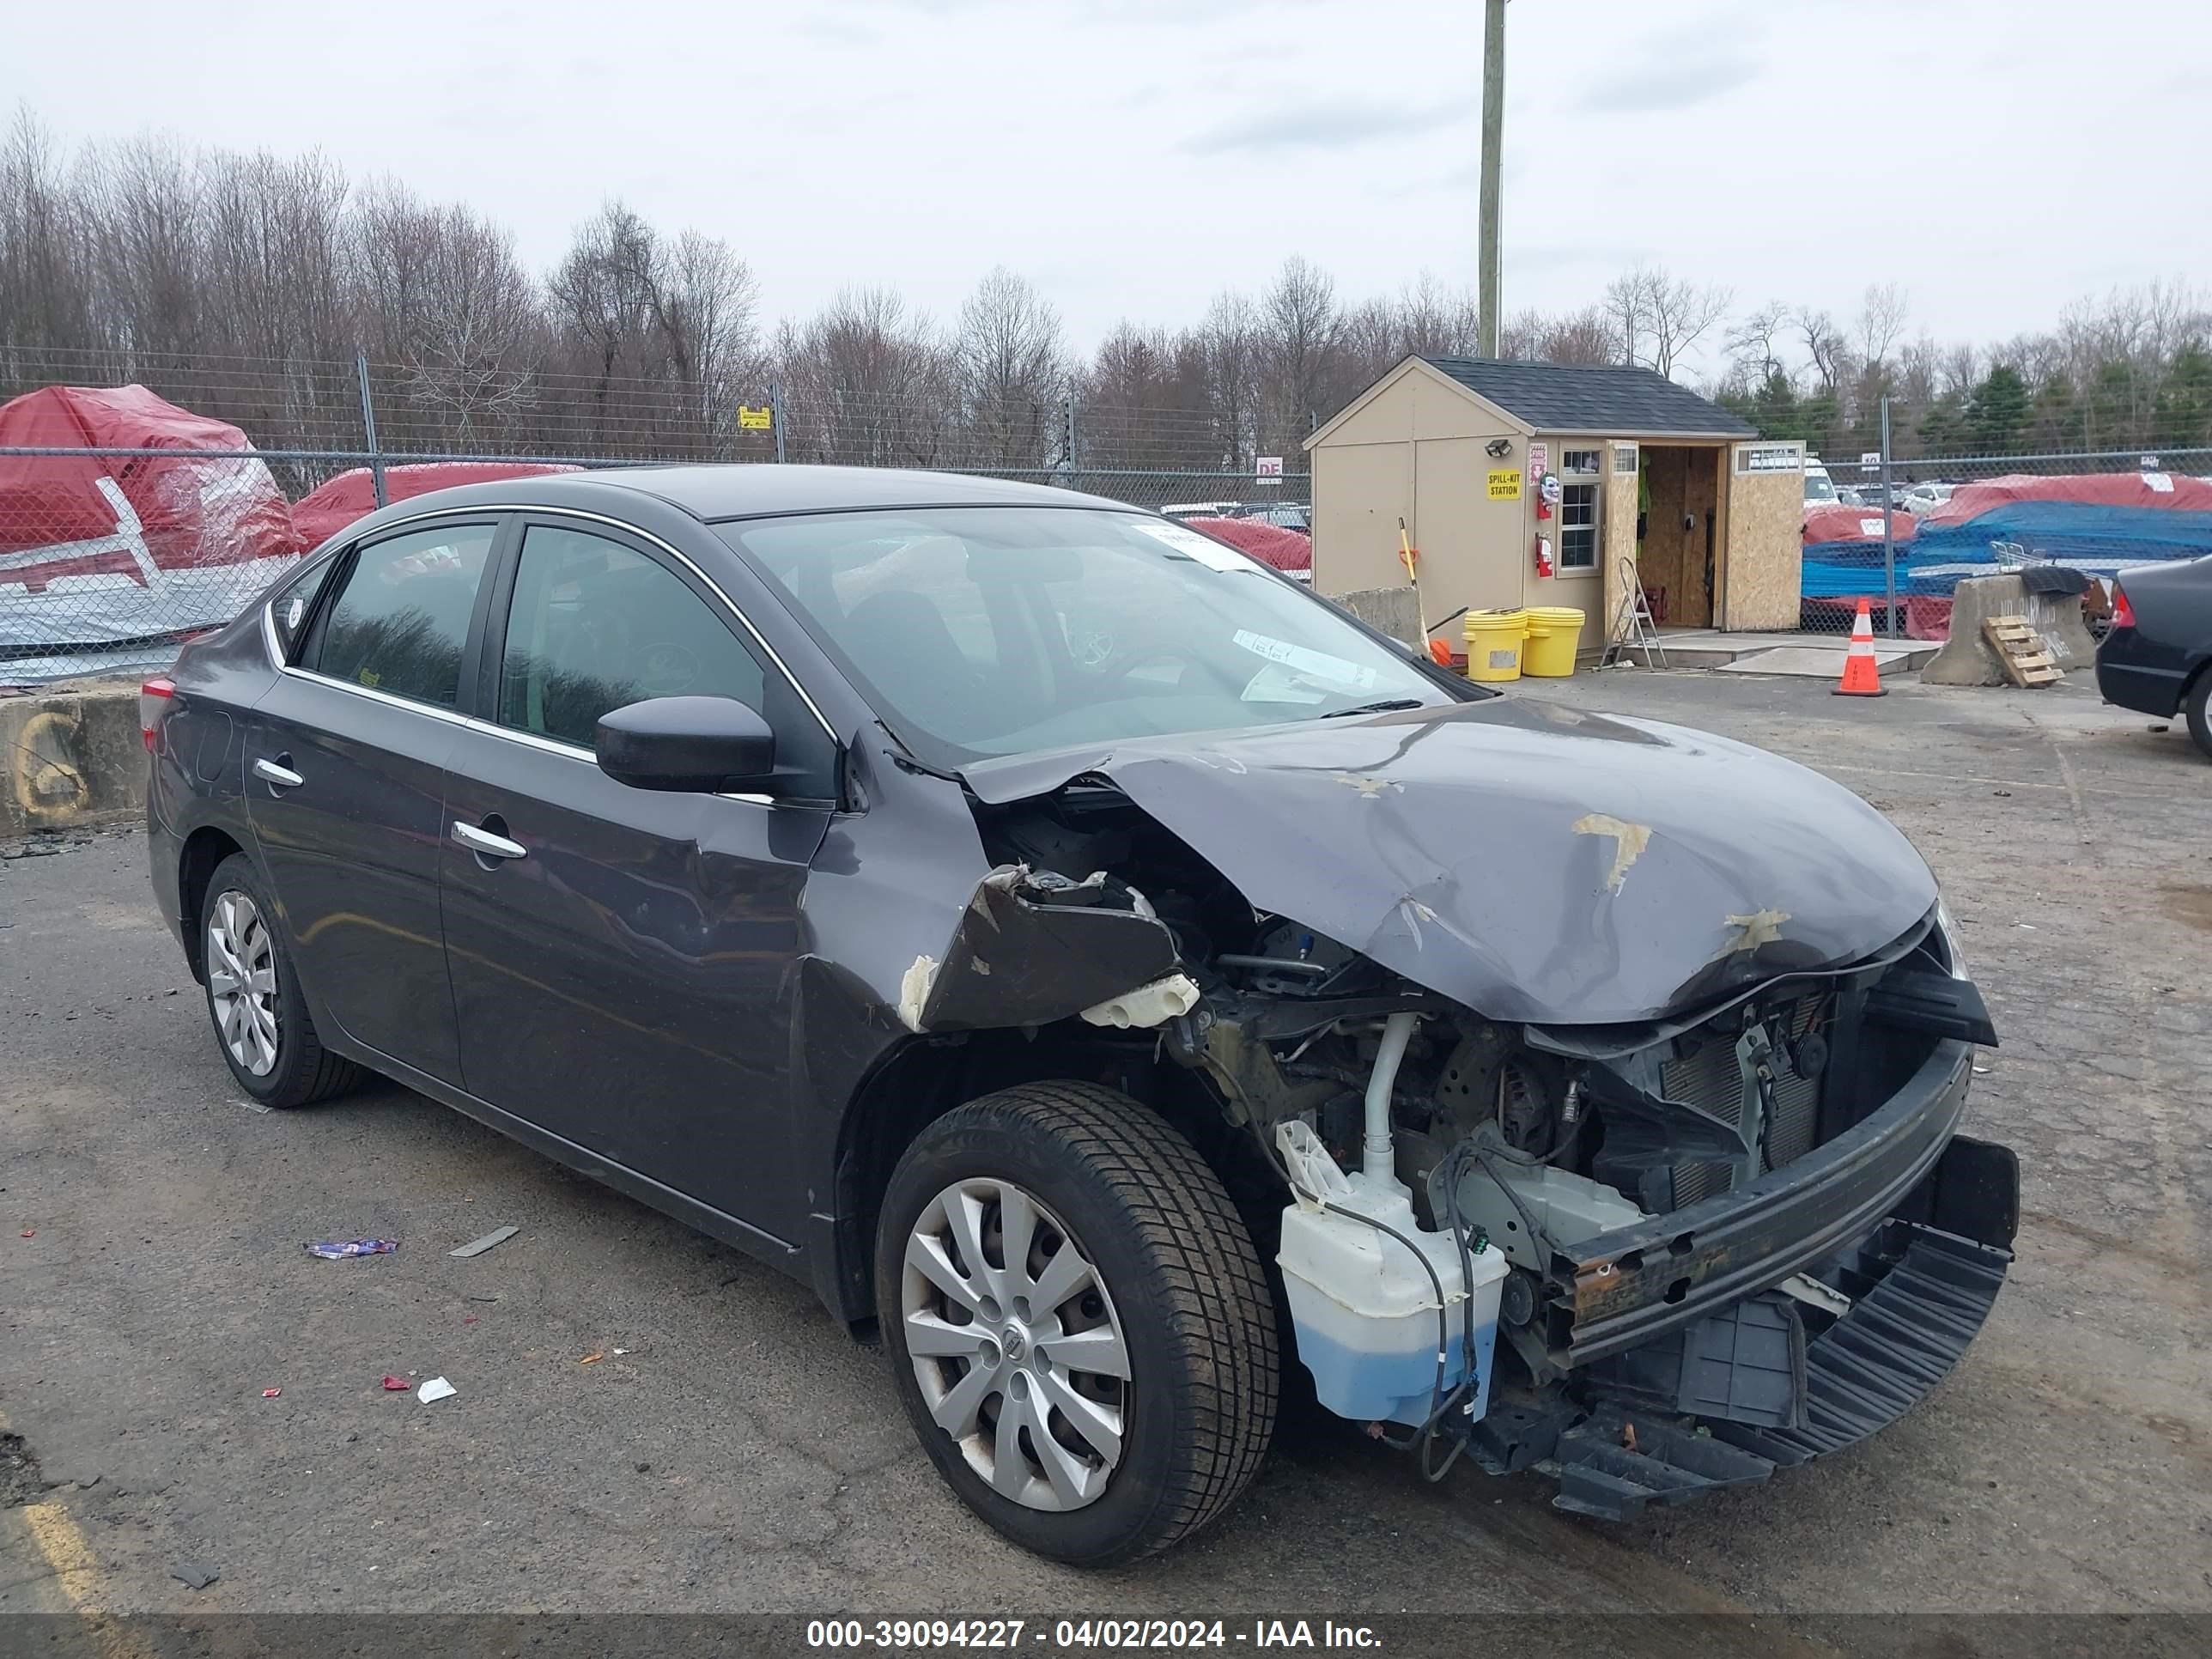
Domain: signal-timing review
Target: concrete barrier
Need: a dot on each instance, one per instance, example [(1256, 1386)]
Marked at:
[(1966, 658), (70, 755), (1393, 610)]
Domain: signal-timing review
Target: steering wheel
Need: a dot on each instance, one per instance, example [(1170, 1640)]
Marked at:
[(1092, 647)]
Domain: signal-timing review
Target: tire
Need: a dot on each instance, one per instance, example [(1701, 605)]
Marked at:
[(2194, 704), (1178, 1285), (285, 1065)]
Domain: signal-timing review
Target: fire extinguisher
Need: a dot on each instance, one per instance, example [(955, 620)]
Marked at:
[(1543, 556)]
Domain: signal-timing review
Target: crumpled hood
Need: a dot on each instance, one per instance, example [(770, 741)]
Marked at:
[(1530, 861)]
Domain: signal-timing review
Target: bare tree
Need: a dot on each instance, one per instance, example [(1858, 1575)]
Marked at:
[(1824, 346), (143, 208), (1658, 317), (1012, 370), (1230, 342), (1302, 327), (868, 385), (1752, 342), (1580, 337), (1881, 323), (45, 271)]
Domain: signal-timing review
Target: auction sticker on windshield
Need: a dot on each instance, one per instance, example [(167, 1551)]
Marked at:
[(1214, 556), (1318, 664)]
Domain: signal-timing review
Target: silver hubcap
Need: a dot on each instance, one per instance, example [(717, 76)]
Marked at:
[(241, 970), (1016, 1345)]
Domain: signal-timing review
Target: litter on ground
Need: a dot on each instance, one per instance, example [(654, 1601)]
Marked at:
[(395, 1385), (334, 1250), (436, 1389), (479, 1246)]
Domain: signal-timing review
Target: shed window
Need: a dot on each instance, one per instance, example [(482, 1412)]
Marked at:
[(1578, 526), (1580, 463)]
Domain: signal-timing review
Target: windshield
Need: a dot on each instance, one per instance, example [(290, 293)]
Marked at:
[(995, 631), (1817, 488)]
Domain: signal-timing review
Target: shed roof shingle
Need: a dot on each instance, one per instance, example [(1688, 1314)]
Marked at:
[(1590, 398)]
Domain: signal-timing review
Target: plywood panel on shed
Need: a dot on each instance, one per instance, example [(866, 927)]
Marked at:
[(1765, 550), (1617, 536)]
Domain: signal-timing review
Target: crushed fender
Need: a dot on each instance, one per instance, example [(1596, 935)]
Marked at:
[(1033, 947)]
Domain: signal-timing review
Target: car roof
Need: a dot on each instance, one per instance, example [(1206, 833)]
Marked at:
[(746, 490)]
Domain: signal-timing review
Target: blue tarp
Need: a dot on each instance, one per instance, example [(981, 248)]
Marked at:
[(2099, 539)]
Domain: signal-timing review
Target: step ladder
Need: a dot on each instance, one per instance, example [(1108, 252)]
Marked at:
[(1632, 627), (2021, 652)]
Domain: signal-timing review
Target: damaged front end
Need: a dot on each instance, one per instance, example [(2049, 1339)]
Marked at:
[(1635, 1162)]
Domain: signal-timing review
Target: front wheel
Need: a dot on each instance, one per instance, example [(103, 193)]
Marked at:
[(1081, 1328), (253, 999), (2198, 704)]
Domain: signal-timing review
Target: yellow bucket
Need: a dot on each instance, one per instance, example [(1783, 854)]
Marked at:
[(1554, 630), (1493, 644)]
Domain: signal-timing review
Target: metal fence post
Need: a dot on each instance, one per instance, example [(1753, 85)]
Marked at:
[(1067, 432), (1888, 528), (368, 428), (775, 417)]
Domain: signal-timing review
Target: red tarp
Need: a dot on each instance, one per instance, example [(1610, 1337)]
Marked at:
[(323, 511), (1272, 544), (191, 513), (1829, 521), (97, 549), (2168, 491)]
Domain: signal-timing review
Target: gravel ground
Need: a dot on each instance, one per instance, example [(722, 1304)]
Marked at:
[(734, 1451)]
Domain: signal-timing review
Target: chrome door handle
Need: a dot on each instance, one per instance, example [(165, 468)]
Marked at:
[(483, 841), (283, 777)]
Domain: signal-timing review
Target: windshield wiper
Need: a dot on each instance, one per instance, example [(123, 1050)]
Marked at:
[(1388, 705)]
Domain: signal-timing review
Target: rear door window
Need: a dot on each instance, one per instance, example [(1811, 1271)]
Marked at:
[(398, 621)]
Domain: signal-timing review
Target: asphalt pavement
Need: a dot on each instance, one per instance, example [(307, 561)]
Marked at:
[(730, 1449)]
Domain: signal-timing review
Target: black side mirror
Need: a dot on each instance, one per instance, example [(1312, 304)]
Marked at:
[(696, 745)]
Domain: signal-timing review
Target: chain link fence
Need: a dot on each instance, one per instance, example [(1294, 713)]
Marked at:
[(135, 514), (154, 500), (1900, 532)]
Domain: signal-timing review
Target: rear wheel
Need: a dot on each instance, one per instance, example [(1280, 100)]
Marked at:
[(2200, 716), (261, 1023), (1081, 1329)]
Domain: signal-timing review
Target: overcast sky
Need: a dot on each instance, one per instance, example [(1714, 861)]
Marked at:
[(1997, 157)]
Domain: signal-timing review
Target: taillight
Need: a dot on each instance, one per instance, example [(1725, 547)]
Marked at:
[(2124, 614), (154, 699)]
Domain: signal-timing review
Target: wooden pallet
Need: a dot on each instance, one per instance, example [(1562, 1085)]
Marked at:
[(2021, 652)]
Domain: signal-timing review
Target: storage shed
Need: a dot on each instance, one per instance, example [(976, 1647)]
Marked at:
[(1656, 486)]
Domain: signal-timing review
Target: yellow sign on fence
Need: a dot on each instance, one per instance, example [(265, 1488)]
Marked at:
[(755, 420), (1504, 484)]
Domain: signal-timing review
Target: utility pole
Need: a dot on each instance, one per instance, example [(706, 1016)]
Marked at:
[(1493, 146)]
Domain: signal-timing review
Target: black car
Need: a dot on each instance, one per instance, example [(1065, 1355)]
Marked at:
[(2156, 657), (1100, 967)]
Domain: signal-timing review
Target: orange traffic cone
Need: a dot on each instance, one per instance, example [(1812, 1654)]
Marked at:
[(1861, 674)]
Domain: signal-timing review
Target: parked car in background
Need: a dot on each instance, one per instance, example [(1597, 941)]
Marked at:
[(1819, 486), (1926, 497), (1180, 510), (1284, 515), (2156, 655), (1086, 958)]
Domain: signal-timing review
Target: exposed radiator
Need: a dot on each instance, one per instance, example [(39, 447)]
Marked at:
[(1711, 1080)]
